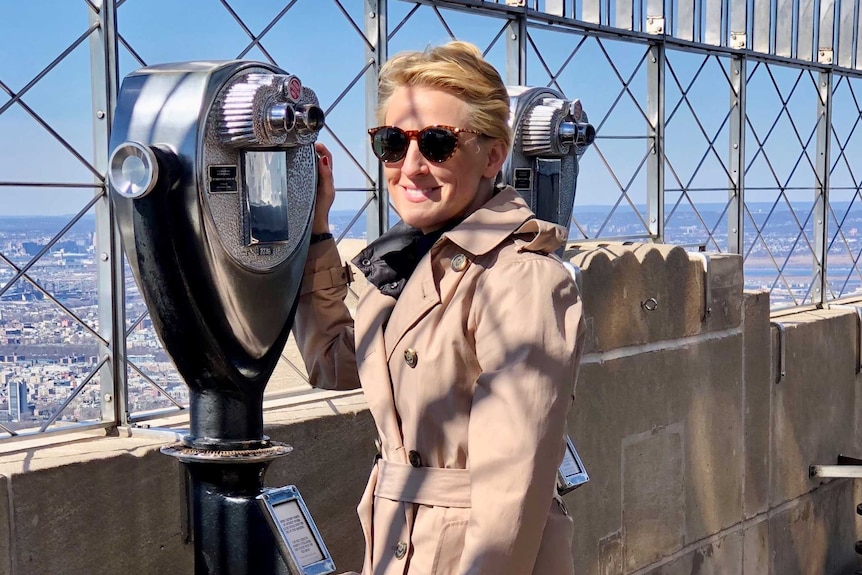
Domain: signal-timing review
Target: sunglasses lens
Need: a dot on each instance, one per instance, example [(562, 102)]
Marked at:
[(437, 144), (390, 144)]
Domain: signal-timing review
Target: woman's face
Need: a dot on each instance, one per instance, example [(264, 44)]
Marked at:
[(426, 194)]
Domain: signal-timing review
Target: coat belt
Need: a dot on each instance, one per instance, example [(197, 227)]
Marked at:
[(423, 485)]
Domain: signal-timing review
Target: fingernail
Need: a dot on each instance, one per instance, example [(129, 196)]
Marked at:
[(325, 161)]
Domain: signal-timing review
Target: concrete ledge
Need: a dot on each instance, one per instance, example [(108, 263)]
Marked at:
[(108, 505), (94, 504)]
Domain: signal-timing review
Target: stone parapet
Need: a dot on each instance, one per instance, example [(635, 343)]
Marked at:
[(641, 293)]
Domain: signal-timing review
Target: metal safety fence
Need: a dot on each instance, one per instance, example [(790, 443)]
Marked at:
[(723, 125)]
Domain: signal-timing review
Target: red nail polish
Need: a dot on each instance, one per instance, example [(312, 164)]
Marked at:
[(325, 161)]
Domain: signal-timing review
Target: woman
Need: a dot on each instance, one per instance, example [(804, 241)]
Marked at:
[(466, 341)]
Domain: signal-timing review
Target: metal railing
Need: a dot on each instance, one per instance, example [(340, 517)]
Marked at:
[(724, 125)]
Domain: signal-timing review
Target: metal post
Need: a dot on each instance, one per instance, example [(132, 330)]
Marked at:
[(104, 78), (516, 50), (376, 29), (655, 141), (736, 185), (821, 205), (825, 41)]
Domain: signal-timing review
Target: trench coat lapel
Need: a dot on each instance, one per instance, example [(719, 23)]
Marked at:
[(372, 314), (418, 297)]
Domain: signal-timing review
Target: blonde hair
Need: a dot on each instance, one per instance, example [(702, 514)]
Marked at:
[(460, 69)]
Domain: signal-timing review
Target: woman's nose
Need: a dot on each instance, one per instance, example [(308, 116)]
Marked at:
[(414, 161)]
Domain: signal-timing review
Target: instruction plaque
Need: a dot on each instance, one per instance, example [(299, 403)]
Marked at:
[(295, 533)]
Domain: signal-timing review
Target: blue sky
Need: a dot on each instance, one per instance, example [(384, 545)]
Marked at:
[(318, 43)]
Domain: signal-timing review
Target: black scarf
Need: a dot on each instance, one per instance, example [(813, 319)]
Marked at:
[(389, 261)]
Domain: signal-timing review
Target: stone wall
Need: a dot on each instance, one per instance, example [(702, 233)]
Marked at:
[(697, 449), (699, 459)]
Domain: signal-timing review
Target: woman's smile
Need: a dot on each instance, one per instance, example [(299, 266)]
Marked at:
[(416, 194)]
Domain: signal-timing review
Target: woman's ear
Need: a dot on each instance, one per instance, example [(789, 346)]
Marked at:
[(496, 158)]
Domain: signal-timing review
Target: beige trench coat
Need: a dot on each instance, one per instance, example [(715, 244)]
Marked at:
[(473, 371)]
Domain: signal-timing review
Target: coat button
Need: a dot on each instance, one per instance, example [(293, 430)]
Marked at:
[(400, 550), (415, 458), (459, 262), (411, 357)]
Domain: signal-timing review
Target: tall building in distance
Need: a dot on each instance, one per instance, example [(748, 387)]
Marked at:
[(17, 400)]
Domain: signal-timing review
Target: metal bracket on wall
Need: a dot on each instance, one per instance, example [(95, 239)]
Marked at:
[(858, 310), (846, 467), (655, 25), (782, 351), (738, 40), (707, 286)]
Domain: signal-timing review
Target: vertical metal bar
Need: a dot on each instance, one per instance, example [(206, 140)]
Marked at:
[(736, 188), (805, 31), (784, 28), (655, 161), (821, 205), (516, 50), (655, 112), (713, 20), (376, 30), (761, 26), (685, 20), (739, 24), (781, 368), (846, 22), (104, 80), (826, 35)]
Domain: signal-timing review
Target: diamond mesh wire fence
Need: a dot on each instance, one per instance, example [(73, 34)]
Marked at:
[(697, 145), (755, 152), (50, 333), (845, 182), (781, 183)]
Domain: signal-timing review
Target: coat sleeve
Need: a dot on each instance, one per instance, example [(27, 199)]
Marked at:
[(528, 325), (323, 326)]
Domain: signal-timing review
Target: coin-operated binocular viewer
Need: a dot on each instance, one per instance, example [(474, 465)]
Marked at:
[(213, 179), (551, 134)]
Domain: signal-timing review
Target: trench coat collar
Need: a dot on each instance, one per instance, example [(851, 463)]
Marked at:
[(499, 218)]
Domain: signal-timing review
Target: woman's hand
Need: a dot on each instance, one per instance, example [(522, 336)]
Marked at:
[(325, 190)]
